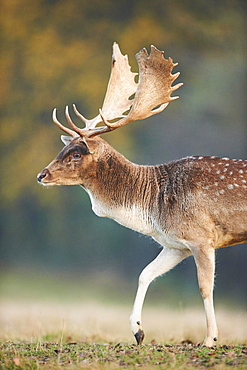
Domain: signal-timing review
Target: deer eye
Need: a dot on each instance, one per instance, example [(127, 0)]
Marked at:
[(76, 155)]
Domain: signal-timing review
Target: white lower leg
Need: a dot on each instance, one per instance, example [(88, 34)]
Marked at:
[(135, 318), (212, 331)]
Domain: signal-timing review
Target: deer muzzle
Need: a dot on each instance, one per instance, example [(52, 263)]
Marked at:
[(42, 175)]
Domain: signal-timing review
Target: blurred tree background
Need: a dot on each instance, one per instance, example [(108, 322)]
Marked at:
[(58, 52)]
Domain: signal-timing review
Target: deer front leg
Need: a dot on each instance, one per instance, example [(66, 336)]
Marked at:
[(205, 262), (166, 260)]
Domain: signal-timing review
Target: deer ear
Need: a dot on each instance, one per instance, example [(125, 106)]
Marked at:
[(66, 139)]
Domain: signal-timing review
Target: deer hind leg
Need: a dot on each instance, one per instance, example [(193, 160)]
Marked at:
[(205, 262), (166, 260)]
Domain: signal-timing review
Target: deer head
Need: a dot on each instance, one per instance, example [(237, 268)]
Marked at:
[(151, 94)]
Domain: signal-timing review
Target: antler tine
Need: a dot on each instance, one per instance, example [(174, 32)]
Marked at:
[(90, 123), (62, 127), (78, 130)]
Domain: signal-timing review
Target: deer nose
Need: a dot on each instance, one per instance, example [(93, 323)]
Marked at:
[(42, 175)]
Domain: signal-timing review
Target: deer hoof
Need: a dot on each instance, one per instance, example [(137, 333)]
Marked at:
[(139, 336)]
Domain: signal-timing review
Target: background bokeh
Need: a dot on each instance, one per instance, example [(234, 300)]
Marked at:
[(58, 52)]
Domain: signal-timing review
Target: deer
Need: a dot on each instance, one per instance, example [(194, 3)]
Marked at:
[(190, 206)]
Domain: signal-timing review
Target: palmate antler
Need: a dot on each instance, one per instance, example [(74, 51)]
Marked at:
[(152, 93)]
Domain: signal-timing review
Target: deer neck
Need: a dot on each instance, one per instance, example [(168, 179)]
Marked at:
[(123, 191)]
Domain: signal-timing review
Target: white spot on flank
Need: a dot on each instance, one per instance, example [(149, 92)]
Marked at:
[(222, 191), (216, 183), (218, 172), (241, 171), (230, 186), (222, 177)]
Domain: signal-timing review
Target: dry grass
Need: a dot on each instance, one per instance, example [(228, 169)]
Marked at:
[(94, 321)]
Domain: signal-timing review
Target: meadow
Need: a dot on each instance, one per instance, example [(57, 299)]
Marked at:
[(39, 331)]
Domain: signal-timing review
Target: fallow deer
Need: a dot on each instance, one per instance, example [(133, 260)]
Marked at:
[(190, 206)]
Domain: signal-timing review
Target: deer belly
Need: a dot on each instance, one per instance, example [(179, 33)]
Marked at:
[(169, 241)]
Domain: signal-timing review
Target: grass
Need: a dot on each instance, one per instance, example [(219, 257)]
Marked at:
[(92, 335), (42, 328), (74, 355)]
